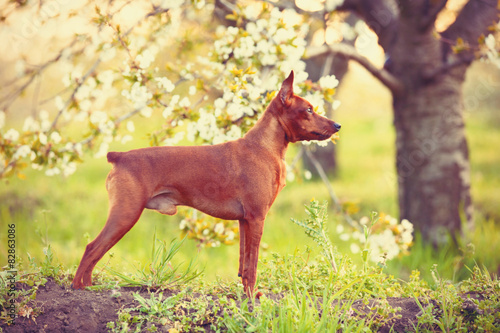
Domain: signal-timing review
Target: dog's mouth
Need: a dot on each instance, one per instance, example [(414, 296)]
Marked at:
[(322, 136)]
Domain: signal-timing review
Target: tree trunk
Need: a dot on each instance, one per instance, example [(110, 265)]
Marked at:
[(425, 73), (431, 148)]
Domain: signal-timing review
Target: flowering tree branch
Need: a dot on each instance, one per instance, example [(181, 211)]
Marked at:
[(350, 52)]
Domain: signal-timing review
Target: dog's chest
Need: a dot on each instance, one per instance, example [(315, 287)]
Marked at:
[(282, 175)]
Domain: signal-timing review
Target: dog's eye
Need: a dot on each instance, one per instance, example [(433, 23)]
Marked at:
[(309, 110)]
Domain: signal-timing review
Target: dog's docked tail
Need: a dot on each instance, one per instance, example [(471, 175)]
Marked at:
[(113, 156)]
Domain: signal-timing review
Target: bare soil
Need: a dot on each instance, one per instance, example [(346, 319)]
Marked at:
[(63, 309)]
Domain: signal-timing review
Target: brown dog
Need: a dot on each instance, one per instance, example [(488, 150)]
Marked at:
[(236, 180)]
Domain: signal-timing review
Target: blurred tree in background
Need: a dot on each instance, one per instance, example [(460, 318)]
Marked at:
[(208, 69), (425, 69)]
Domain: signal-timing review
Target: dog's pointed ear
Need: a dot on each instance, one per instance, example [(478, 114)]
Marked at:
[(286, 91)]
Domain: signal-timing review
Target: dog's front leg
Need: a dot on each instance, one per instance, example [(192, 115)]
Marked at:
[(253, 230)]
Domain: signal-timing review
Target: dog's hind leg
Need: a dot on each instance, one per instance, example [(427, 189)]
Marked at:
[(117, 225), (243, 227), (125, 209)]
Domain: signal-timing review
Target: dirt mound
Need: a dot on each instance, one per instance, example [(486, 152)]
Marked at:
[(67, 310)]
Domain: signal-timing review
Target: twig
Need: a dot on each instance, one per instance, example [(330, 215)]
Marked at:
[(297, 157), (70, 99), (10, 98), (329, 187), (465, 60)]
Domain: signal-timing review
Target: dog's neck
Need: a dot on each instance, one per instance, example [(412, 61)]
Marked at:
[(269, 132)]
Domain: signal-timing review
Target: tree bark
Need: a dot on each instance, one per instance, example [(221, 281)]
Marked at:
[(432, 159)]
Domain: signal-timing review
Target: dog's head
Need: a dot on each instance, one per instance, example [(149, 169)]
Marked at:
[(298, 119)]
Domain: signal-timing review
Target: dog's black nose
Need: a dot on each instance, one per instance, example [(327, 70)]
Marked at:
[(337, 126)]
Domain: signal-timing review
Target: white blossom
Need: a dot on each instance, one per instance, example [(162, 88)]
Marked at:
[(172, 4), (146, 112), (174, 100), (230, 236), (206, 125), (45, 123), (52, 171), (235, 111), (355, 248), (98, 117), (167, 112), (165, 83), (145, 59), (490, 42), (55, 137), (77, 148), (85, 106), (12, 135), (282, 35), (336, 104), (220, 103), (175, 139), (328, 82), (185, 103), (106, 78), (21, 152), (364, 220), (330, 5), (69, 169), (191, 131), (344, 237), (139, 95), (383, 243), (130, 126), (31, 125), (20, 67), (219, 228), (233, 133), (108, 52), (36, 166), (103, 150), (492, 53), (126, 138), (251, 11), (246, 48)]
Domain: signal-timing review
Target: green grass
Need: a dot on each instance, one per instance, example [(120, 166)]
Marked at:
[(302, 292)]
